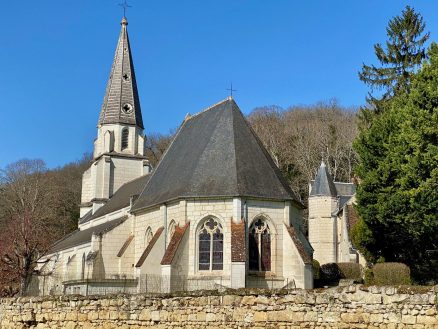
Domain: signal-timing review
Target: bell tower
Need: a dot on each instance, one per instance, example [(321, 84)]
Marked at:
[(119, 154)]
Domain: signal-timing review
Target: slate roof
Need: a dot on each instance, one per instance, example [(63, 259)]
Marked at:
[(345, 189), (215, 154), (119, 200), (79, 237), (122, 86), (343, 199), (323, 184)]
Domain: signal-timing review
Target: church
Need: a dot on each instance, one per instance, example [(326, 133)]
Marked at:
[(215, 212)]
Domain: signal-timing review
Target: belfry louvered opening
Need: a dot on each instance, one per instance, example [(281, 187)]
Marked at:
[(125, 138)]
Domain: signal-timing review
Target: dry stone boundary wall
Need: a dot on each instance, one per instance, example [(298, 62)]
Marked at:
[(348, 307)]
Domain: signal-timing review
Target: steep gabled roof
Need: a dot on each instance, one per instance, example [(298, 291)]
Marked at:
[(121, 103), (215, 154), (323, 184)]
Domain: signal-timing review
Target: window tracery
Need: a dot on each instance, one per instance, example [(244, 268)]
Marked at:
[(170, 230), (210, 246), (259, 246), (147, 237)]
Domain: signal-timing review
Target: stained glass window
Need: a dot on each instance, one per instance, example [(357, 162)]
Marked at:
[(211, 246)]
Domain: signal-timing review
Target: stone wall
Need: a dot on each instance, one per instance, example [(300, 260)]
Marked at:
[(349, 307)]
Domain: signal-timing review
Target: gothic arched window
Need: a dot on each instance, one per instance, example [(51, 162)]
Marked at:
[(170, 230), (259, 246), (147, 237), (125, 138), (210, 246)]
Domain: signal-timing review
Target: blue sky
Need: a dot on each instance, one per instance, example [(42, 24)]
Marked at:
[(56, 57)]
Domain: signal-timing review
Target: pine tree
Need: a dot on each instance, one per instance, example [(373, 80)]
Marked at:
[(397, 199), (403, 54)]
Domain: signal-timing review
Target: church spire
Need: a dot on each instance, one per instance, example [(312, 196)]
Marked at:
[(121, 103)]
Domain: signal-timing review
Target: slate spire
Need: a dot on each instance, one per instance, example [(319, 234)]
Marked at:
[(121, 104), (323, 184)]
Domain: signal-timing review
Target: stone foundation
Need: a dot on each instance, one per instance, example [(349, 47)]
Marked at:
[(348, 307)]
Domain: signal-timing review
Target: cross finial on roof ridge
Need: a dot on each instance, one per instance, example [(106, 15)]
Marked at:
[(231, 90)]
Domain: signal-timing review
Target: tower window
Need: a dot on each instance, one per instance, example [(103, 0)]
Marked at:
[(127, 108), (125, 138)]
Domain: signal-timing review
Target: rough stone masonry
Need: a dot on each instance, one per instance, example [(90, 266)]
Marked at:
[(347, 307)]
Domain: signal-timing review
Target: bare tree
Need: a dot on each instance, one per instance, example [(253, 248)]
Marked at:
[(156, 145), (301, 136), (28, 231), (66, 183)]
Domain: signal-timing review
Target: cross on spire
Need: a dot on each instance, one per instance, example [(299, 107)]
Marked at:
[(125, 6), (231, 89)]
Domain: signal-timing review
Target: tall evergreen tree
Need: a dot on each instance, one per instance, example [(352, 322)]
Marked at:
[(397, 199), (403, 54)]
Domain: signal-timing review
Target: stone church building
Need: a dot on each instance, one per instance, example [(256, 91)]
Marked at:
[(215, 211)]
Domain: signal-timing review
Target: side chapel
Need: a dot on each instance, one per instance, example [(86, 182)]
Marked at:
[(215, 210)]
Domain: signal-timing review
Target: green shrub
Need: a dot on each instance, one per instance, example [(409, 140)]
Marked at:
[(330, 273), (350, 271), (316, 269), (369, 276), (391, 274)]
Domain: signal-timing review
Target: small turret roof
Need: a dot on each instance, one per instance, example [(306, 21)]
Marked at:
[(323, 184), (121, 103)]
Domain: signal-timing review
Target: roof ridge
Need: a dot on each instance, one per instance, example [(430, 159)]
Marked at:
[(158, 165), (234, 151), (208, 108), (217, 154), (271, 162)]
